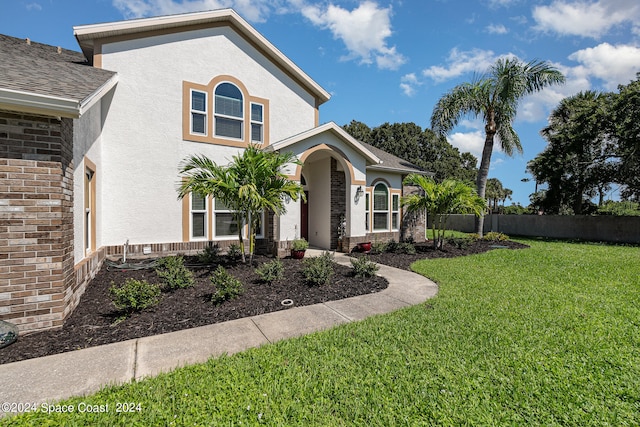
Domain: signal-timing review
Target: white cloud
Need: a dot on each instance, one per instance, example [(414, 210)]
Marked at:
[(364, 31), (459, 63), (613, 65), (409, 84), (586, 18), (497, 29), (252, 10), (34, 6), (472, 142)]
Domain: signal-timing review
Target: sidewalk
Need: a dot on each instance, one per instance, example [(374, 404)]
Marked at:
[(82, 372)]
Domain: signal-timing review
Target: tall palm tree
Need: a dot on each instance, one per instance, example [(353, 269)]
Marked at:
[(494, 97), (440, 200), (251, 184)]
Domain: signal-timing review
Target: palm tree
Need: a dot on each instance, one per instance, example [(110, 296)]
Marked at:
[(440, 200), (251, 184), (494, 97)]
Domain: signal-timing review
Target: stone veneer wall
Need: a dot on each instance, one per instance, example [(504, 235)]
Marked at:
[(37, 280), (338, 201)]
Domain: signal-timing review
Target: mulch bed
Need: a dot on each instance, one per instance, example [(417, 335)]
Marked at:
[(93, 322), (426, 250)]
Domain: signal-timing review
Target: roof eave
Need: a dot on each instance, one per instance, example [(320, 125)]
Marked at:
[(97, 95), (381, 167), (86, 34), (327, 127), (31, 103)]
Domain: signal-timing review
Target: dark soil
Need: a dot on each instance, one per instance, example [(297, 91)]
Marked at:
[(426, 250), (94, 321)]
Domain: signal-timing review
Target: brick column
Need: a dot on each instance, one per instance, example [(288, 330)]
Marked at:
[(36, 220), (338, 200)]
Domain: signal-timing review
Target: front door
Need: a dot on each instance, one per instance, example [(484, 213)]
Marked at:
[(304, 217)]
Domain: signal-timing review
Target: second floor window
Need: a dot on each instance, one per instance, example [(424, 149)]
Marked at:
[(257, 122), (198, 112), (228, 111)]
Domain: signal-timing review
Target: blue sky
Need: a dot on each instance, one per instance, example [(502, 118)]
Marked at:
[(390, 61)]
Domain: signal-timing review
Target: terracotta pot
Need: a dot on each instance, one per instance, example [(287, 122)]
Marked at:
[(297, 254), (365, 247)]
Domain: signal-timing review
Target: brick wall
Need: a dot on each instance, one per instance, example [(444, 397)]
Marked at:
[(338, 201), (37, 280)]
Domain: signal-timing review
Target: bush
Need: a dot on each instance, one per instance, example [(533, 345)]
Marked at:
[(269, 272), (318, 270), (227, 286), (378, 247), (173, 273), (364, 267), (234, 252), (494, 236), (299, 245), (405, 248), (209, 255), (461, 242), (135, 295)]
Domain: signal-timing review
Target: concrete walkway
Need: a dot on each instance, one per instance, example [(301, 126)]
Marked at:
[(82, 372)]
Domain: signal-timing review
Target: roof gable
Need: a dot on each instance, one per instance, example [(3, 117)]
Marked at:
[(327, 127), (90, 35)]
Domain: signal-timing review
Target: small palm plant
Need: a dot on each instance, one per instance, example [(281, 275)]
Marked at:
[(440, 200)]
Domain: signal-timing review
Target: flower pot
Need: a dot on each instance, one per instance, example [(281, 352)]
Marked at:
[(365, 247), (297, 254)]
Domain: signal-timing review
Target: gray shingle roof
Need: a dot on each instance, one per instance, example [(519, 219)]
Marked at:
[(393, 163), (44, 70)]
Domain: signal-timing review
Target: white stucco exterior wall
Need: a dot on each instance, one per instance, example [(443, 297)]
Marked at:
[(142, 136)]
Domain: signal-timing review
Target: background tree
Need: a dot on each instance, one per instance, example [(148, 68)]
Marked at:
[(496, 193), (440, 200), (626, 119), (423, 148), (493, 97), (579, 160), (251, 184)]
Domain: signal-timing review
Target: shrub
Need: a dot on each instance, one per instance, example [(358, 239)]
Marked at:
[(271, 271), (318, 270), (460, 242), (234, 252), (299, 245), (364, 267), (135, 295), (494, 236), (209, 255), (405, 248), (227, 286), (173, 273), (378, 247)]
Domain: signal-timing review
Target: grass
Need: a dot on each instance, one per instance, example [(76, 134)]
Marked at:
[(544, 336)]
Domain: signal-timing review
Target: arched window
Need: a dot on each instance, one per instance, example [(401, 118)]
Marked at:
[(380, 207), (228, 111)]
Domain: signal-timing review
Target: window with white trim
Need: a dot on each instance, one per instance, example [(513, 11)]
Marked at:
[(198, 216), (229, 115), (380, 207), (89, 217), (395, 211), (367, 207), (257, 122), (198, 112), (225, 221)]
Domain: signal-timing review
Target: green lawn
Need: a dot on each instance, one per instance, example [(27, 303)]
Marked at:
[(543, 336)]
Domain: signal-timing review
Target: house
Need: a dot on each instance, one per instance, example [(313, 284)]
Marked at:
[(91, 143)]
